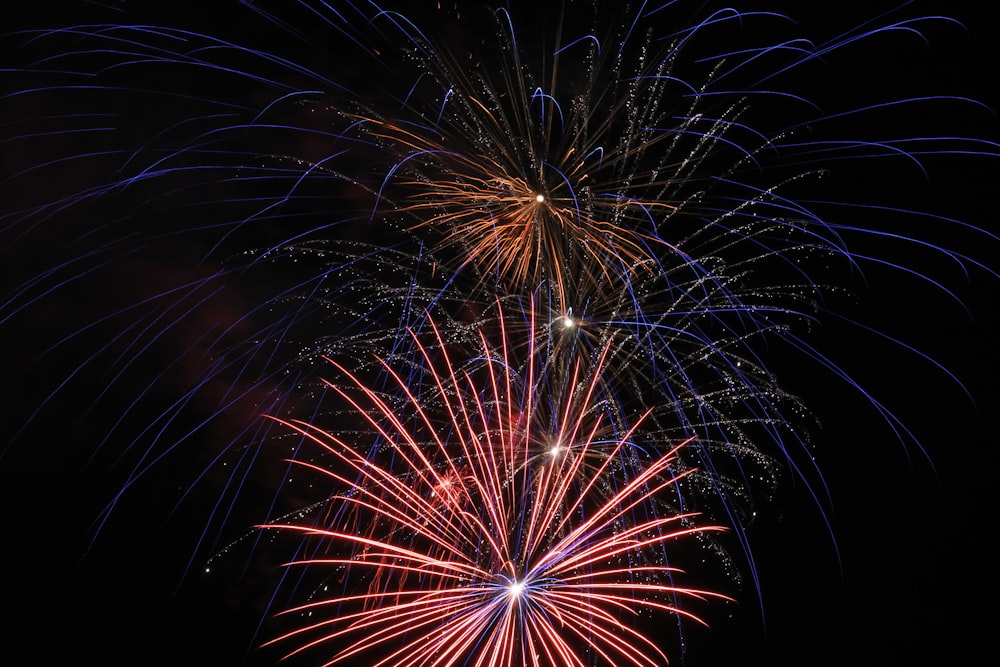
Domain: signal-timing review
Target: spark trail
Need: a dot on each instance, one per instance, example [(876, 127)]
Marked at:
[(478, 551)]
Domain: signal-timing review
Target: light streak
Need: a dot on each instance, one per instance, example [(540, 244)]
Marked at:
[(538, 565)]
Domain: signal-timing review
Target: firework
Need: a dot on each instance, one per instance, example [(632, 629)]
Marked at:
[(500, 534), (614, 223)]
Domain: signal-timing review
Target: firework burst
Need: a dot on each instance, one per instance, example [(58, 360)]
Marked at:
[(480, 549), (556, 270)]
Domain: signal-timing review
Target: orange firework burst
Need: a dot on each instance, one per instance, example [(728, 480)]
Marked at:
[(526, 191), (476, 550), (519, 227)]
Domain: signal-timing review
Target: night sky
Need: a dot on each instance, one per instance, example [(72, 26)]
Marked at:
[(908, 576)]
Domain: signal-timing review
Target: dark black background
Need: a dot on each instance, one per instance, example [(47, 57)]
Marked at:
[(909, 577)]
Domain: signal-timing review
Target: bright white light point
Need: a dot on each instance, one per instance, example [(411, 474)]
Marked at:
[(539, 198), (568, 322), (516, 589)]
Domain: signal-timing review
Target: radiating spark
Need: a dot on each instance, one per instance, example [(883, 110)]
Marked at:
[(535, 568)]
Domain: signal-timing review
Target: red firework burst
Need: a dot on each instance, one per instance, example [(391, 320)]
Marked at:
[(469, 547)]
